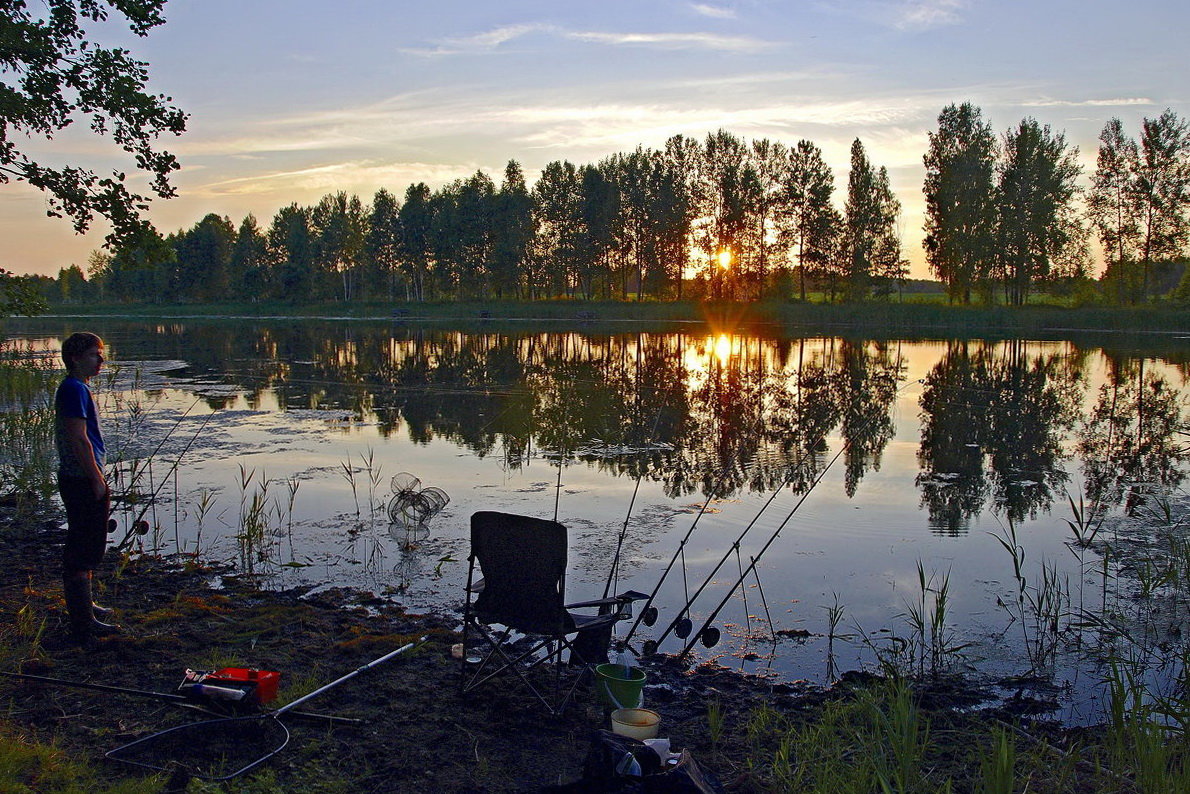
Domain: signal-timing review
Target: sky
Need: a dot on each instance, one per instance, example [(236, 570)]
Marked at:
[(293, 99)]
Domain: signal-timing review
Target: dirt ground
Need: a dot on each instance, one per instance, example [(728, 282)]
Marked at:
[(416, 733)]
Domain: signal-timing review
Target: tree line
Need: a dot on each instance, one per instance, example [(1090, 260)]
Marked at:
[(720, 218)]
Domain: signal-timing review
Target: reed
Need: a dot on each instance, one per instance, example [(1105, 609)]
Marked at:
[(715, 720), (252, 537), (27, 454), (205, 504), (1042, 609), (998, 767)]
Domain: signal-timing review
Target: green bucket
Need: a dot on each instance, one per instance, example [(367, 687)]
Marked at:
[(620, 687)]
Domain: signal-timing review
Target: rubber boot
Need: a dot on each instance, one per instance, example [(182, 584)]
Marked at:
[(83, 625)]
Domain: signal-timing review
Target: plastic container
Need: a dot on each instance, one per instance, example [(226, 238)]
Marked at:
[(620, 687), (636, 723), (263, 682)]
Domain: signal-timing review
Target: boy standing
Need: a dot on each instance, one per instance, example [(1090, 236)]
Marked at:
[(81, 482)]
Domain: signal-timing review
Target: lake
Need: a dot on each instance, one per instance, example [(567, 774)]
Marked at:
[(799, 491)]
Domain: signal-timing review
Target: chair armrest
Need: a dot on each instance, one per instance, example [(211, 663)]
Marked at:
[(623, 598), (598, 602)]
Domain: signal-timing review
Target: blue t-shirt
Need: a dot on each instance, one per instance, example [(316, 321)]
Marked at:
[(73, 400)]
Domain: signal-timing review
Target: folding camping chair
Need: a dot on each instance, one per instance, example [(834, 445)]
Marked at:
[(523, 564)]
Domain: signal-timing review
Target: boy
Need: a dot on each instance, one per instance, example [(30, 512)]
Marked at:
[(82, 484)]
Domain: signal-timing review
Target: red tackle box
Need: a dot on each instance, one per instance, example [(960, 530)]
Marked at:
[(263, 682)]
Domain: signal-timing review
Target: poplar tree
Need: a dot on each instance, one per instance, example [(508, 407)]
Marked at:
[(959, 190), (337, 224), (249, 262), (807, 218), (557, 216), (290, 254), (382, 240), (512, 231), (1162, 189), (864, 222), (1035, 189), (1111, 203), (416, 220)]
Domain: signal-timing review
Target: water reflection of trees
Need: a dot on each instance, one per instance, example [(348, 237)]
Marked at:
[(994, 417), (708, 414), (1132, 445)]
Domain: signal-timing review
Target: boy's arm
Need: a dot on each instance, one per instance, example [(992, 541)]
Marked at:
[(76, 434)]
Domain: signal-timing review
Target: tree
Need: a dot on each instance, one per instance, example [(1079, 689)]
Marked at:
[(1035, 189), (599, 211), (382, 242), (72, 285), (290, 252), (337, 227), (203, 261), (1162, 189), (1111, 203), (249, 260), (807, 218), (416, 219), (19, 295), (512, 230), (558, 219), (770, 162), (864, 222), (140, 267), (724, 205), (54, 75), (959, 189), (677, 175), (888, 266)]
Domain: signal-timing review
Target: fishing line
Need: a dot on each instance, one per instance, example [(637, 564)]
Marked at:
[(151, 503), (613, 575), (763, 601)]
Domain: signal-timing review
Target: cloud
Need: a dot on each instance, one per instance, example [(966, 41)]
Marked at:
[(675, 41), (927, 14), (353, 176), (479, 42), (1087, 103), (714, 12), (495, 38)]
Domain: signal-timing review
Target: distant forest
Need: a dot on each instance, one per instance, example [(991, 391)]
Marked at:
[(724, 218)]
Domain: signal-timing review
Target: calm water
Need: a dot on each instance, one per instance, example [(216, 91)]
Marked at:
[(840, 465)]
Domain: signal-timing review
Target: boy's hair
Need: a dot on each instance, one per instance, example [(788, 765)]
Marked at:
[(77, 344)]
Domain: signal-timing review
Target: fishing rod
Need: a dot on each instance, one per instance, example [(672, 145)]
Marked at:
[(648, 613), (185, 701), (135, 528), (681, 624), (775, 534)]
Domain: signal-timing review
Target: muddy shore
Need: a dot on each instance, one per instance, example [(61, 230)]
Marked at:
[(416, 733)]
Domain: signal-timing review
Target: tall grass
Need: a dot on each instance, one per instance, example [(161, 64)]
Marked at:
[(27, 456)]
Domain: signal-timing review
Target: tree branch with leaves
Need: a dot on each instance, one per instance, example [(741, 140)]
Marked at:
[(51, 76)]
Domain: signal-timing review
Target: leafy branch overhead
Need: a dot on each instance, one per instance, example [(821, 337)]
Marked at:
[(51, 76)]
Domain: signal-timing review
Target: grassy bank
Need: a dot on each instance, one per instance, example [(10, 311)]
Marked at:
[(909, 319)]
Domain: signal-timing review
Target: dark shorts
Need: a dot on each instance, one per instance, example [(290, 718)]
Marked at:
[(86, 524)]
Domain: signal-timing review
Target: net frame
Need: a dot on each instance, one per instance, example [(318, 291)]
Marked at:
[(197, 738)]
